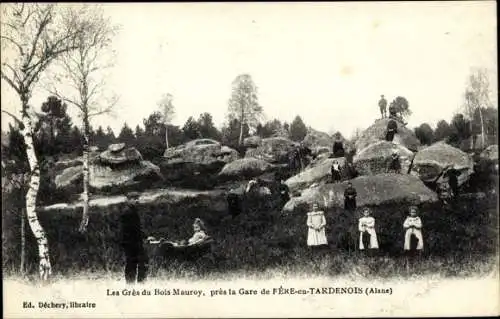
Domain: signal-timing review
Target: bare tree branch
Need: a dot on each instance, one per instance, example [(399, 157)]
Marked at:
[(10, 82), (13, 116), (21, 51)]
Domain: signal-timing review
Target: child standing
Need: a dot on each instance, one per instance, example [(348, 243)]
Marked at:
[(413, 226), (366, 227), (316, 223)]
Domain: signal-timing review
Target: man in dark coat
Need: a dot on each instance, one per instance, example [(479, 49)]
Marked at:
[(382, 104), (282, 191), (452, 174), (350, 198), (136, 259), (234, 203), (392, 128)]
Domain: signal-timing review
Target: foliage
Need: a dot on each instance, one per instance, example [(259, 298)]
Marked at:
[(402, 106), (460, 130), (298, 130), (191, 129), (52, 128), (126, 135), (425, 134), (231, 133), (270, 129), (243, 104), (207, 128), (443, 130)]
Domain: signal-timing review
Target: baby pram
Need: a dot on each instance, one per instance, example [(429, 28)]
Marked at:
[(163, 252)]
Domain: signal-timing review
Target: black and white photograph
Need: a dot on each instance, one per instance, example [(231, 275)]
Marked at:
[(300, 159)]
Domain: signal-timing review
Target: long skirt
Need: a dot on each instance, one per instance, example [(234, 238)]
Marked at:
[(389, 136), (316, 237)]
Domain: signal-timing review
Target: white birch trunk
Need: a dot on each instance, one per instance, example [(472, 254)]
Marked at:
[(483, 139), (45, 268), (85, 195), (23, 244), (166, 135)]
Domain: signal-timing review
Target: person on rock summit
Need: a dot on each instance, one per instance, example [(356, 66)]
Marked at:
[(382, 104), (392, 129)]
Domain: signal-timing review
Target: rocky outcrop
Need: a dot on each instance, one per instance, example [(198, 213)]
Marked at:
[(430, 162), (200, 151), (272, 150), (376, 132), (375, 158), (245, 168), (117, 167), (317, 172), (383, 189)]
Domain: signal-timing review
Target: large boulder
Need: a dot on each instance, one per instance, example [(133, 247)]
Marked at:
[(317, 172), (317, 139), (374, 158), (272, 150), (430, 162), (115, 168), (245, 168), (252, 141), (490, 153), (117, 154), (201, 151), (376, 190), (376, 132)]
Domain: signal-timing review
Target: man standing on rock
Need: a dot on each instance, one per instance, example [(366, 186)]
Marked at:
[(382, 104), (136, 259)]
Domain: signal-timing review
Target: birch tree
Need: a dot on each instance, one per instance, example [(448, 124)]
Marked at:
[(243, 104), (167, 110), (32, 37), (82, 75), (477, 98)]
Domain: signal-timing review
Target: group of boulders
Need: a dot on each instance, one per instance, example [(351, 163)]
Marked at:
[(121, 167), (420, 167)]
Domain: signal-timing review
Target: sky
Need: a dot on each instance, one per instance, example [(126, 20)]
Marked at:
[(327, 62)]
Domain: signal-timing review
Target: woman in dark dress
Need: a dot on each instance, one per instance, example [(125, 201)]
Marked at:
[(350, 198)]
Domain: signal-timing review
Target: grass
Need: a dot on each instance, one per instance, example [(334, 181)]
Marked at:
[(459, 242)]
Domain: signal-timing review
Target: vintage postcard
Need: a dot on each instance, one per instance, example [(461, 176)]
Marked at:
[(223, 160)]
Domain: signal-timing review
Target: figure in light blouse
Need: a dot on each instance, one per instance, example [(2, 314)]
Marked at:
[(316, 223), (199, 232), (366, 227), (413, 226)]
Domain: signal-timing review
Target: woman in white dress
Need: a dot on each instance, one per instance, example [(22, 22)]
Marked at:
[(366, 227), (316, 223)]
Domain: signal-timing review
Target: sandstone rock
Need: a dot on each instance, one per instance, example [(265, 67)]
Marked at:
[(372, 191), (376, 132), (374, 158), (429, 162)]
